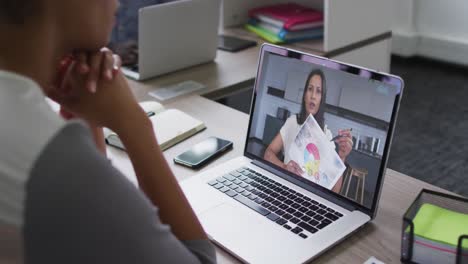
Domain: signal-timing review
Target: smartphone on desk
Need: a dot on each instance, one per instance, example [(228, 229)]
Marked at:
[(203, 152), (234, 44)]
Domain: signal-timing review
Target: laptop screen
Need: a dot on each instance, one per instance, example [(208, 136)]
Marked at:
[(325, 123)]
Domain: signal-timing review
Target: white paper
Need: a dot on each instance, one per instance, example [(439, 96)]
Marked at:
[(312, 151), (373, 260)]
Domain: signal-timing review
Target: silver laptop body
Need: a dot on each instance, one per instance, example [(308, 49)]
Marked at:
[(175, 35), (262, 231)]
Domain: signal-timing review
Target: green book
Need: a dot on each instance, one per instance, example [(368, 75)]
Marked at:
[(440, 225), (265, 34)]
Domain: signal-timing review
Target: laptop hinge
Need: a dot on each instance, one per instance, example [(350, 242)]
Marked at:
[(312, 189)]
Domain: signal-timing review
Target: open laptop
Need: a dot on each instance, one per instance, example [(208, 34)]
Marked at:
[(261, 212), (175, 35)]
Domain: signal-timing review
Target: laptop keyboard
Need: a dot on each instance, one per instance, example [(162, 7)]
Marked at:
[(288, 208)]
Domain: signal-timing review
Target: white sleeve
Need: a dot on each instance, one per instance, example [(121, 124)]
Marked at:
[(285, 130)]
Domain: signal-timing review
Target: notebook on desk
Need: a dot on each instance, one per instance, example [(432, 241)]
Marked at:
[(171, 126)]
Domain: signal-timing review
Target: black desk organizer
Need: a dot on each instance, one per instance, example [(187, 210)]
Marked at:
[(446, 201)]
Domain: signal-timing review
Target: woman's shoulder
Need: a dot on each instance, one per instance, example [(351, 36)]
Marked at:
[(28, 124), (288, 125), (291, 119)]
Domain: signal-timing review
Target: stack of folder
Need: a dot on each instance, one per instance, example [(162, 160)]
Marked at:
[(436, 234), (286, 23)]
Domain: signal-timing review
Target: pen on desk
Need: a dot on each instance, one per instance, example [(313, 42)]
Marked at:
[(340, 136)]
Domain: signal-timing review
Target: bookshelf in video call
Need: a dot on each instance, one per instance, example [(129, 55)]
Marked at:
[(356, 32)]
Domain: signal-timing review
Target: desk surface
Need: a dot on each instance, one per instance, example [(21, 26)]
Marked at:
[(223, 76), (231, 71), (227, 73), (380, 238)]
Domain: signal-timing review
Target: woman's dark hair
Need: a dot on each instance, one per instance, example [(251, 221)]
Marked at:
[(17, 11), (319, 116)]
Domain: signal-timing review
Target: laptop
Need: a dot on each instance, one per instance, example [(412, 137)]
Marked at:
[(175, 35), (261, 212)]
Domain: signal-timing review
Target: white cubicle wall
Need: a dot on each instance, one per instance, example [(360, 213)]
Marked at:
[(374, 56), (348, 22), (431, 28)]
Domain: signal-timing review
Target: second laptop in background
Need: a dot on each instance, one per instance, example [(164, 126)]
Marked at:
[(174, 36)]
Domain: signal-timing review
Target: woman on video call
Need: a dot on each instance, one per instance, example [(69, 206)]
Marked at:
[(313, 102)]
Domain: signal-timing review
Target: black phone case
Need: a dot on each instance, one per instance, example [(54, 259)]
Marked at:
[(234, 48), (206, 161)]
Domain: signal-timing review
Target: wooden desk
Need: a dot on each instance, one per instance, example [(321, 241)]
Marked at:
[(381, 238), (233, 71), (228, 73), (226, 123)]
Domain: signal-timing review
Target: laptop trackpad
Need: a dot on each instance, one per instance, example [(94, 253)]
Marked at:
[(245, 232)]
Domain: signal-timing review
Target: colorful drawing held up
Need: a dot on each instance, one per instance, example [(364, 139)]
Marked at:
[(314, 153), (312, 160)]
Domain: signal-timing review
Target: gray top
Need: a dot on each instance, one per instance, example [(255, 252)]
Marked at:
[(63, 201), (80, 209)]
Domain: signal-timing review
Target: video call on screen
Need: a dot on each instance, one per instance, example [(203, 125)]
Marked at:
[(359, 106)]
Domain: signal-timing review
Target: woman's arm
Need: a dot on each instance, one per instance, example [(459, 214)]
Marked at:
[(271, 155), (338, 185), (156, 179), (98, 134), (136, 132), (345, 144), (93, 66), (11, 244)]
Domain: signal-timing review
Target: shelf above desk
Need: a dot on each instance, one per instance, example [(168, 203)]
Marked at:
[(314, 46), (345, 22)]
